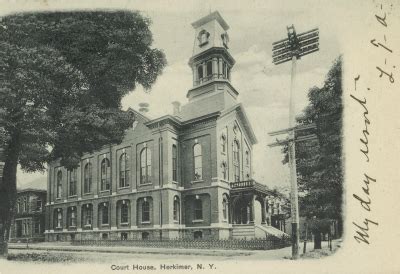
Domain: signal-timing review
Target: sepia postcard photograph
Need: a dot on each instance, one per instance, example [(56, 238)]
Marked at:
[(174, 136)]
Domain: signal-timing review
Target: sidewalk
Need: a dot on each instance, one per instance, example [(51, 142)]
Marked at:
[(65, 246), (274, 254)]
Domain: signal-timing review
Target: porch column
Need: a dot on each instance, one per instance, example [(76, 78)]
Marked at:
[(267, 210), (232, 213), (252, 209), (263, 213)]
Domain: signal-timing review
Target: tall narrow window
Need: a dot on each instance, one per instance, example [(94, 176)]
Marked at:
[(87, 215), (145, 166), (59, 184), (198, 165), (223, 143), (209, 68), (224, 69), (225, 208), (105, 171), (18, 206), (198, 209), (236, 161), (247, 158), (37, 227), (176, 210), (25, 204), (59, 218), (104, 213), (174, 163), (38, 205), (200, 72), (87, 176), (124, 213), (124, 170), (145, 211), (73, 177), (71, 217), (224, 170)]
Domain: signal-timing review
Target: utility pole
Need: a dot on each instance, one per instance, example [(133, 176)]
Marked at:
[(291, 49)]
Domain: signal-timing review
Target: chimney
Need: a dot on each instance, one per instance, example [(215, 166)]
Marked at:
[(143, 108), (176, 107)]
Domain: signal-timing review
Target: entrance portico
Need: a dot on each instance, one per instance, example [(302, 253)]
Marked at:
[(244, 195)]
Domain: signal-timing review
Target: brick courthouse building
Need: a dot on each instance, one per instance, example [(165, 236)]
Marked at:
[(183, 175)]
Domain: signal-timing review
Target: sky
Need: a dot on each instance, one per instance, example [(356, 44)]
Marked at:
[(263, 87)]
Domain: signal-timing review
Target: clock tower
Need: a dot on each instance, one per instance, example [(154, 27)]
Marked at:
[(211, 62)]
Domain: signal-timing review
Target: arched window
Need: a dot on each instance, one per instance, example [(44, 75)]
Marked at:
[(124, 170), (105, 174), (236, 160), (18, 206), (198, 209), (176, 210), (225, 208), (87, 213), (145, 211), (174, 163), (58, 218), (73, 178), (145, 166), (247, 158), (223, 143), (225, 39), (25, 204), (59, 184), (71, 216), (224, 170), (87, 177), (203, 37), (124, 213), (104, 213), (198, 165)]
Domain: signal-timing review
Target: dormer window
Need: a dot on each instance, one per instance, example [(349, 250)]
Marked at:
[(225, 39), (203, 37)]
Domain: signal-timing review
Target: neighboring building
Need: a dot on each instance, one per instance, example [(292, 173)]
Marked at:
[(183, 175), (29, 219)]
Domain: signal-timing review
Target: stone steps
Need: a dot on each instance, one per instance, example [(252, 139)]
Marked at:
[(243, 232)]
